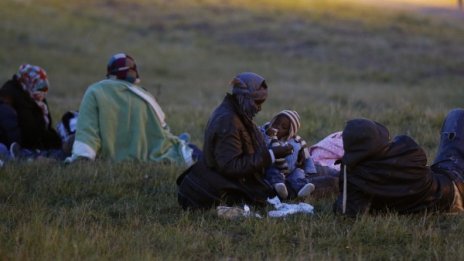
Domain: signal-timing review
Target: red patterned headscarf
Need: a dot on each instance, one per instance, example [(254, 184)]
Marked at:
[(32, 78)]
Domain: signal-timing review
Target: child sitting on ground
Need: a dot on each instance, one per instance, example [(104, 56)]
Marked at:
[(289, 173)]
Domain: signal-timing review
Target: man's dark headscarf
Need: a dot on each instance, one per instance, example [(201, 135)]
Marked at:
[(245, 87), (249, 97)]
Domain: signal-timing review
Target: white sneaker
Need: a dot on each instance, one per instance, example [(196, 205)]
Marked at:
[(281, 190), (306, 190)]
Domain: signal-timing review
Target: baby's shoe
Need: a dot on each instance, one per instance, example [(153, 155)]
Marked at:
[(281, 190), (306, 190)]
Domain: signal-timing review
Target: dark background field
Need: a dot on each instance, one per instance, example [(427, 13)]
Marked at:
[(331, 61)]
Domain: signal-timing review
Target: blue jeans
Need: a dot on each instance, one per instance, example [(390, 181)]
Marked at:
[(31, 154), (56, 154), (295, 180), (197, 153), (4, 153), (450, 154)]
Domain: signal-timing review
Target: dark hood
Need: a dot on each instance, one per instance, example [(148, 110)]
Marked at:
[(363, 138), (248, 80), (249, 83)]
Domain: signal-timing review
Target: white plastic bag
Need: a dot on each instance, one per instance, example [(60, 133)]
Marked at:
[(284, 209)]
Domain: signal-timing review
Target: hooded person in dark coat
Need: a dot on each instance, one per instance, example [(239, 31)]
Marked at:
[(235, 155), (379, 174)]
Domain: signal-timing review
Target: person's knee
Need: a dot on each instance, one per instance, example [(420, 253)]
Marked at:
[(453, 124), (297, 173), (457, 110), (455, 115)]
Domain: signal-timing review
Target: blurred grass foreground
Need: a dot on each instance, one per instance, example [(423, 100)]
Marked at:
[(329, 60)]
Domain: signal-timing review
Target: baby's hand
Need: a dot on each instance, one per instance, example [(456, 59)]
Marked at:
[(282, 151)]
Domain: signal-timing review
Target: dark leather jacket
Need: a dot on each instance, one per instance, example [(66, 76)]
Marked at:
[(384, 175), (9, 129), (232, 168), (231, 147), (34, 133)]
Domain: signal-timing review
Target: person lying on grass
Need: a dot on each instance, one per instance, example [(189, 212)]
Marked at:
[(379, 174), (119, 120), (235, 155)]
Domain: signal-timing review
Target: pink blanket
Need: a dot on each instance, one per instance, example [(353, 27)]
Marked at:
[(328, 150)]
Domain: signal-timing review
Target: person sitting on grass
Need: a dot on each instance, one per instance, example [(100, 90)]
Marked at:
[(26, 122), (289, 174), (120, 120), (9, 130), (382, 175), (235, 155)]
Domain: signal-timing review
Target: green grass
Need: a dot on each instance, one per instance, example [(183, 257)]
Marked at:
[(329, 60)]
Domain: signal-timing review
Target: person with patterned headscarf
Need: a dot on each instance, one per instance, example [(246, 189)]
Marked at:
[(235, 155), (26, 93), (289, 174), (120, 120)]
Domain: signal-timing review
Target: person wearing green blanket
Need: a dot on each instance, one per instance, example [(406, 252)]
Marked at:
[(119, 120)]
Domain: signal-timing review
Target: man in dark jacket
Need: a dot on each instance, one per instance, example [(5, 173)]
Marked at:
[(231, 170), (379, 174)]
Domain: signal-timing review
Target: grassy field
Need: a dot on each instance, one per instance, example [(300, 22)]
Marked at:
[(329, 60)]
